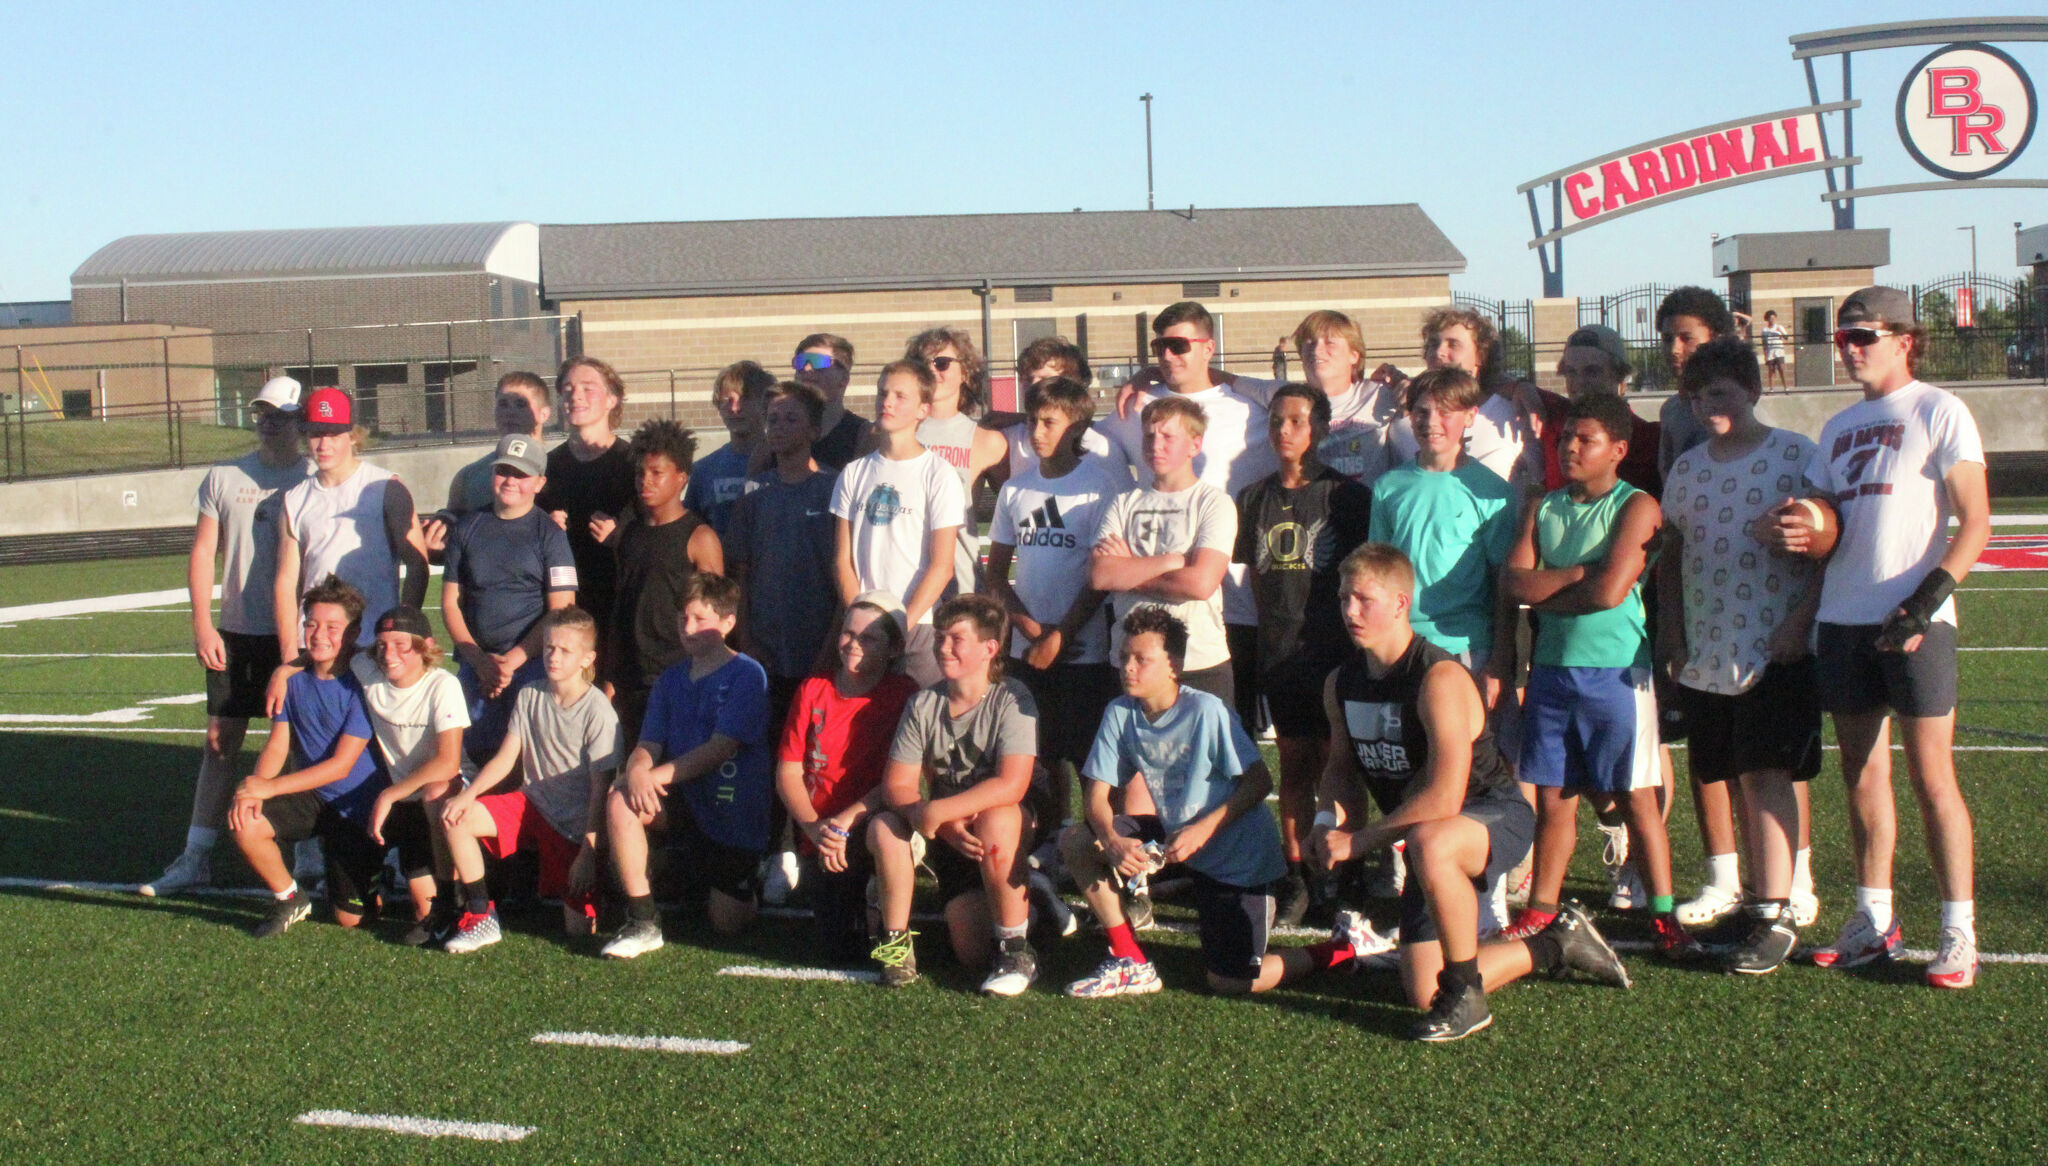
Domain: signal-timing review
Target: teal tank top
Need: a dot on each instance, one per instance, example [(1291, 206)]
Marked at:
[(1572, 534)]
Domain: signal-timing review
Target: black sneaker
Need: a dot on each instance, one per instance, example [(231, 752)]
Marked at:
[(1014, 968), (898, 957), (435, 928), (1293, 900), (1771, 939), (284, 913), (1583, 948), (1453, 1015)]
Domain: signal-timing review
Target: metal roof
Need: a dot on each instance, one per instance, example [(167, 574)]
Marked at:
[(325, 251), (627, 260)]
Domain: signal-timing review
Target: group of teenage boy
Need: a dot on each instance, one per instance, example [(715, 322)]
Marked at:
[(1459, 602)]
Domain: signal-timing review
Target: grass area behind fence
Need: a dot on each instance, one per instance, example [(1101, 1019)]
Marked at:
[(49, 448)]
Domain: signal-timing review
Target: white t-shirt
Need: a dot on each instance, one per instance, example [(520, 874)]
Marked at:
[(244, 497), (1053, 523), (1236, 451), (1155, 522), (1360, 421), (1774, 341), (893, 507), (1495, 441), (341, 532), (1737, 591), (409, 721), (1885, 463)]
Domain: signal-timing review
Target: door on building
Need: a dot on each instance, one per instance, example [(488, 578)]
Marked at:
[(446, 395), (1813, 350), (1028, 332)]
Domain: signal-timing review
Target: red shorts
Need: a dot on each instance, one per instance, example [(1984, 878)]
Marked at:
[(521, 827)]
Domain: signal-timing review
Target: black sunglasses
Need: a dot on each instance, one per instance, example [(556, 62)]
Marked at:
[(1178, 345)]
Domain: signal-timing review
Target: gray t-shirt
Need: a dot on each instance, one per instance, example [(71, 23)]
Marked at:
[(470, 490), (785, 535), (953, 440), (961, 752), (245, 497), (560, 751)]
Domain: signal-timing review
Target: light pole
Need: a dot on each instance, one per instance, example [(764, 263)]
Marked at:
[(1973, 252), (1147, 99)]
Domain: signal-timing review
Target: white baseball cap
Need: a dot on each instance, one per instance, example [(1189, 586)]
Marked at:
[(283, 392)]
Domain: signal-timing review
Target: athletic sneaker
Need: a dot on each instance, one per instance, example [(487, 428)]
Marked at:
[(1138, 904), (1955, 964), (1116, 976), (474, 931), (1392, 876), (1860, 943), (1711, 904), (1583, 948), (1356, 932), (1453, 1016), (1014, 968), (1050, 915), (1293, 900), (193, 868), (1674, 942), (636, 938), (781, 878), (284, 913), (1527, 924), (1770, 940), (1493, 908), (898, 958), (435, 928), (1629, 893), (1805, 907)]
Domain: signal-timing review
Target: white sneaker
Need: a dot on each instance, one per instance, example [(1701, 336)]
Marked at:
[(309, 865), (1710, 906), (1393, 874), (1521, 878), (782, 878), (1805, 907), (1629, 892), (1955, 964), (633, 940), (193, 868)]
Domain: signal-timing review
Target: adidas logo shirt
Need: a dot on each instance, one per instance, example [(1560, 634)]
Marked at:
[(1052, 522)]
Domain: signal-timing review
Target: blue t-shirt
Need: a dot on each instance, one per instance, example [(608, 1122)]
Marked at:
[(730, 803), (506, 568), (1191, 758), (320, 713), (716, 482), (1457, 527)]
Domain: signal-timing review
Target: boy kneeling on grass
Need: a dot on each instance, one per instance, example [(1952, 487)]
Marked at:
[(701, 772), (321, 736), (959, 774), (563, 740)]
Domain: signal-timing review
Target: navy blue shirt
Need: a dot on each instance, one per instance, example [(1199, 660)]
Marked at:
[(506, 569), (321, 713), (731, 802)]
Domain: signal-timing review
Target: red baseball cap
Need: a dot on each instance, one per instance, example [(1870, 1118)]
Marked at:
[(326, 412)]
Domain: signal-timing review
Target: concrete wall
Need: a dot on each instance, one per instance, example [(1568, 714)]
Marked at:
[(2012, 416)]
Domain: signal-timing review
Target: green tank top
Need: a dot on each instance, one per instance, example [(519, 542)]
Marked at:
[(1571, 534)]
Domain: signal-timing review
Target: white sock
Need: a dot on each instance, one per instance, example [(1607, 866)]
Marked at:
[(1802, 871), (1016, 932), (1960, 913), (287, 893), (1723, 872), (201, 838), (1877, 903)]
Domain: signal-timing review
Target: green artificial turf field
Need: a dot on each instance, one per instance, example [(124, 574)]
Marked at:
[(140, 1030)]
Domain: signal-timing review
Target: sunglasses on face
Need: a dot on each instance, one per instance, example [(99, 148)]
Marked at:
[(1860, 337), (942, 363), (1178, 345), (811, 362)]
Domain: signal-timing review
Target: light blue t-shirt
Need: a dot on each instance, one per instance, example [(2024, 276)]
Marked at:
[(1457, 526), (1191, 758), (716, 482)]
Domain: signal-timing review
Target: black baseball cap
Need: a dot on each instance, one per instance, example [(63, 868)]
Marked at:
[(405, 618)]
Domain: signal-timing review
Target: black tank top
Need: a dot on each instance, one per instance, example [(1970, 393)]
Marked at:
[(1384, 723)]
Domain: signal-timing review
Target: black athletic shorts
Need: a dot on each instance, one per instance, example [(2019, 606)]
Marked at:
[(1071, 699), (1775, 725), (1294, 699), (352, 855), (237, 692), (1217, 681), (1856, 679), (1243, 641), (1234, 923), (960, 875), (405, 828), (1510, 830), (706, 863)]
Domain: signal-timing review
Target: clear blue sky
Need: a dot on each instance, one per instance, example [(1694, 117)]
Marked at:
[(131, 119)]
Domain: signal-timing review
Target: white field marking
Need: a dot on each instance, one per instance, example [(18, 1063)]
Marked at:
[(1962, 589), (188, 698), (178, 600), (2020, 648), (1896, 747), (96, 730), (21, 884), (659, 1044), (105, 655), (109, 717), (1912, 955), (32, 816), (423, 1127), (834, 975)]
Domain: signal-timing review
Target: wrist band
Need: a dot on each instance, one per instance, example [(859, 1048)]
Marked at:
[(1913, 615), (1326, 818)]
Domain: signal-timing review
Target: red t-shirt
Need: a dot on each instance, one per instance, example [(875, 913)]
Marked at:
[(842, 742)]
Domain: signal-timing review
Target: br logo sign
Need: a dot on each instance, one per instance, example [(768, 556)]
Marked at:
[(1966, 111)]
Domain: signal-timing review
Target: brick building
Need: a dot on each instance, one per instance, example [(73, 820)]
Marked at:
[(397, 315), (669, 304)]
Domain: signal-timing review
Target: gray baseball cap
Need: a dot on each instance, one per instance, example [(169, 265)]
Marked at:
[(1876, 305), (523, 453)]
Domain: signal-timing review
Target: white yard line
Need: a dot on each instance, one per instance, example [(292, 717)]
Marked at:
[(834, 975), (21, 884), (97, 656), (134, 601), (659, 1044), (422, 1127), (97, 729)]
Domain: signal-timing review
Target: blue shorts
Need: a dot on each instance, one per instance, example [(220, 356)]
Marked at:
[(1589, 729), (490, 719)]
